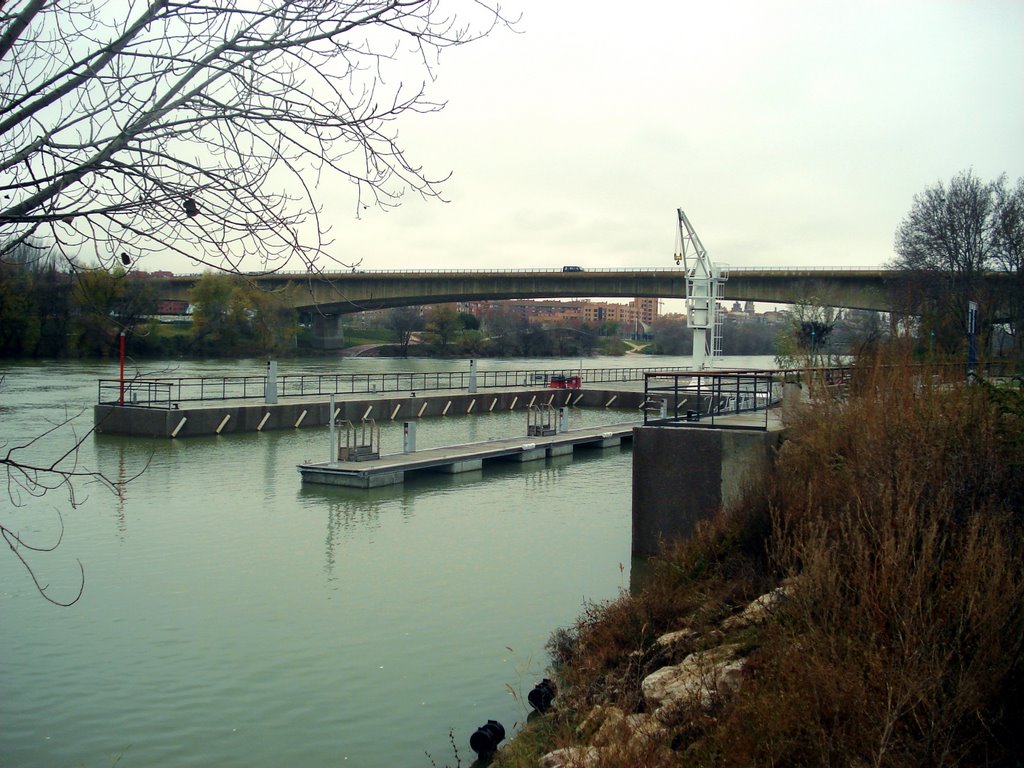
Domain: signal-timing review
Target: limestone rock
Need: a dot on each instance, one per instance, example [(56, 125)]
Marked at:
[(570, 757), (698, 679), (673, 640), (759, 610)]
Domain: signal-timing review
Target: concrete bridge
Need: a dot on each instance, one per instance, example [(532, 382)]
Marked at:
[(340, 293), (329, 295)]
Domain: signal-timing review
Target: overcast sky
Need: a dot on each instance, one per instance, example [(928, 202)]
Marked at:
[(792, 133)]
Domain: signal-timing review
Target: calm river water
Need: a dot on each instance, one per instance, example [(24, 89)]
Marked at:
[(232, 617)]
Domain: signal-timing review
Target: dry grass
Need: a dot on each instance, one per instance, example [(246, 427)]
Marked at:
[(896, 509), (897, 513)]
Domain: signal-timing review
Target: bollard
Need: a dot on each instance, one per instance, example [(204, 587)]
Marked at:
[(542, 695), (487, 737)]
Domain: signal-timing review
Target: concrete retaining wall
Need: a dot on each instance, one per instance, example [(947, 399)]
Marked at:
[(683, 475)]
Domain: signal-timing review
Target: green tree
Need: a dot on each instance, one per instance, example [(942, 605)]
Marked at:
[(747, 336), (52, 290), (19, 317), (469, 321), (136, 304), (472, 343), (95, 296), (217, 323), (443, 324), (671, 336), (272, 318)]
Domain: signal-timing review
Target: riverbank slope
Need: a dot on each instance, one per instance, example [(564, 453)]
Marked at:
[(864, 606)]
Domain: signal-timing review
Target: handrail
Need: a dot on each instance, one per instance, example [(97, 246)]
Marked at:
[(168, 392), (704, 398)]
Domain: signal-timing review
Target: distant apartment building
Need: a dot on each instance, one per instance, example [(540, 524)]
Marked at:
[(639, 311)]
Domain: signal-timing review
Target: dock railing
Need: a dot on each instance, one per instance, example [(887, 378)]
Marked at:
[(168, 392), (710, 398)]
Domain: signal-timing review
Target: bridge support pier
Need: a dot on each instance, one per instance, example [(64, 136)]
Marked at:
[(327, 332), (684, 475)]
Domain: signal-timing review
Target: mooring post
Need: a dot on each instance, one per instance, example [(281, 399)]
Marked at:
[(409, 437), (270, 392), (472, 377)]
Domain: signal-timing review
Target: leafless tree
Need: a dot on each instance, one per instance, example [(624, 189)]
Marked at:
[(1008, 254), (205, 128), (404, 321), (946, 245)]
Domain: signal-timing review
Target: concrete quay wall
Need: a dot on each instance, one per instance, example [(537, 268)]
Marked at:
[(234, 417), (684, 475)]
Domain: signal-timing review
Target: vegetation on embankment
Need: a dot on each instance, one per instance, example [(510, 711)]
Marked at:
[(894, 521)]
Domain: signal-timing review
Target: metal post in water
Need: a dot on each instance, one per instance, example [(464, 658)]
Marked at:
[(409, 437), (120, 400), (563, 419), (334, 442), (270, 392), (472, 377)]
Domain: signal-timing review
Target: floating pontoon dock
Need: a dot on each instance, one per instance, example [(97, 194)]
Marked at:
[(389, 470)]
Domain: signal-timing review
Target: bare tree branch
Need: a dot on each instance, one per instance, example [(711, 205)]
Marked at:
[(207, 127), (28, 479), (17, 544)]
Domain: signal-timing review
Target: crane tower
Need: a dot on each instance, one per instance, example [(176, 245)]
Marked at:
[(704, 281)]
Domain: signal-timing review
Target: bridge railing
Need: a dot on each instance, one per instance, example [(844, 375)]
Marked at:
[(532, 270), (168, 392)]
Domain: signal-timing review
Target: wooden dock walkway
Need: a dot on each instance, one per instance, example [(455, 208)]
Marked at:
[(469, 457)]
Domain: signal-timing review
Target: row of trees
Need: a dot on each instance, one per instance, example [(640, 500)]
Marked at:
[(48, 310), (443, 331)]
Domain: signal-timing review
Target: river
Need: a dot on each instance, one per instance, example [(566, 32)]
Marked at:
[(233, 617)]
